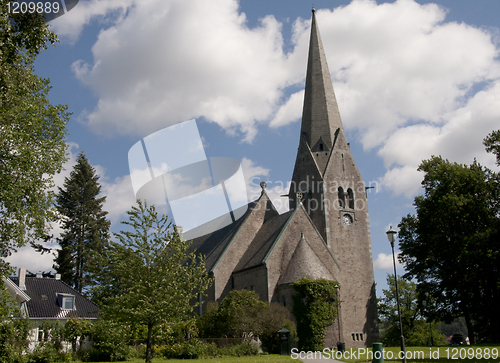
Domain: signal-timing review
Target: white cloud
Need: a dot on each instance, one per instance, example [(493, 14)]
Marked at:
[(405, 79), (384, 262), (184, 62), (289, 112), (70, 26)]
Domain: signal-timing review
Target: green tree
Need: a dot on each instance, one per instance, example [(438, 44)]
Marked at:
[(85, 227), (241, 311), (149, 277), (492, 143), (314, 310), (451, 246), (417, 331), (32, 131)]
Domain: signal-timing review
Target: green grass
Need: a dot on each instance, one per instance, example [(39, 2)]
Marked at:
[(268, 358), (452, 354)]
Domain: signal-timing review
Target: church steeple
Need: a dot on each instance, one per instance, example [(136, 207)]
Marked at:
[(320, 115)]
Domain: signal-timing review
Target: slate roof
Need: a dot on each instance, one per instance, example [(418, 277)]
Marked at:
[(305, 262), (263, 241), (213, 245), (44, 305)]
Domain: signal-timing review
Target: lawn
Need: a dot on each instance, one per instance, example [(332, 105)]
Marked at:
[(453, 354), (268, 358)]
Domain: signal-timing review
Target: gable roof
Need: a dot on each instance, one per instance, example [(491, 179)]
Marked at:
[(214, 245), (43, 303), (305, 262), (263, 241)]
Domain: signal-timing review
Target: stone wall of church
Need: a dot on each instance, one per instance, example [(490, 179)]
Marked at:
[(254, 279), (229, 260)]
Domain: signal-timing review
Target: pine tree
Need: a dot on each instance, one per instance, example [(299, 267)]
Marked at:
[(86, 229)]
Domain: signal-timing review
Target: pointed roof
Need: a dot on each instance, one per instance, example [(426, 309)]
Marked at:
[(215, 244), (320, 115), (305, 262)]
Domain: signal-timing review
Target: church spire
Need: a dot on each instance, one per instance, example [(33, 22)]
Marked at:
[(320, 115)]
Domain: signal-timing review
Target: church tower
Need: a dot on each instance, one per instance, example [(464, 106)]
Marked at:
[(334, 196)]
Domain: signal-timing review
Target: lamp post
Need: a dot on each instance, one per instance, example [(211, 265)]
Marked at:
[(391, 236), (340, 345)]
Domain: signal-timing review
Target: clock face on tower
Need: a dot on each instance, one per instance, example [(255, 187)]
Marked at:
[(347, 219)]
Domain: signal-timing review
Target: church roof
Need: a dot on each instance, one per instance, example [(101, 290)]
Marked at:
[(263, 241), (320, 115), (305, 262), (213, 245)]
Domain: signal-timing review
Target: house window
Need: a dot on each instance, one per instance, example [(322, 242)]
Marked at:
[(40, 335), (69, 303), (66, 301)]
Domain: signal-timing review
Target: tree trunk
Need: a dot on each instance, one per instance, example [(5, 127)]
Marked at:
[(470, 327), (149, 343)]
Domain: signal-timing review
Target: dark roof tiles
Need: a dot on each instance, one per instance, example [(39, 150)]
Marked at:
[(44, 300)]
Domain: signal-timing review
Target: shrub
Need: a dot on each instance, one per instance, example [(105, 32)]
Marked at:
[(244, 349), (110, 342), (242, 312), (13, 340), (47, 353)]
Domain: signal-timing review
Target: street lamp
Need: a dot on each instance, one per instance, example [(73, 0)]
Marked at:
[(391, 236), (340, 345)]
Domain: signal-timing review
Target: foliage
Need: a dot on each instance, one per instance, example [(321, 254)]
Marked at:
[(13, 339), (85, 228), (32, 131), (239, 313), (492, 143), (451, 246), (415, 328), (76, 329), (110, 342), (273, 319), (150, 278), (242, 312), (45, 352), (314, 311)]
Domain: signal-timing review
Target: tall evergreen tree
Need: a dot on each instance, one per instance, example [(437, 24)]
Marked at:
[(86, 229)]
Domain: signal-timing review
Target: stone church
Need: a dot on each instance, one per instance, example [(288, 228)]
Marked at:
[(326, 233)]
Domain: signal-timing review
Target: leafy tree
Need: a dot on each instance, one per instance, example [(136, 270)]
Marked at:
[(451, 246), (416, 330), (75, 331), (84, 224), (314, 311), (110, 342), (32, 131), (241, 311), (149, 277), (492, 143)]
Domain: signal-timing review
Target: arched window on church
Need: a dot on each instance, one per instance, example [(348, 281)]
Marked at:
[(341, 197), (350, 196)]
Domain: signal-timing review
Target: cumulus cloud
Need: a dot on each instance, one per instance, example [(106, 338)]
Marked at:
[(165, 63), (384, 262), (406, 80), (70, 26)]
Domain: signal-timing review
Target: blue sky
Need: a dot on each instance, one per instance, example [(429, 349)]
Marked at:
[(412, 79)]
